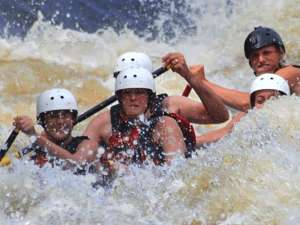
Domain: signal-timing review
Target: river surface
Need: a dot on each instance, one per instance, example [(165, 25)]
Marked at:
[(250, 177)]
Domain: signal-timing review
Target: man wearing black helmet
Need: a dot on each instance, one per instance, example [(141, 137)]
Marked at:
[(265, 52)]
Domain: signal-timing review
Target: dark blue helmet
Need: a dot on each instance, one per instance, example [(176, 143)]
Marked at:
[(261, 37)]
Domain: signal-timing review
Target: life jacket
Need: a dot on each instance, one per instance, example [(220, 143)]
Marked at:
[(41, 157), (132, 142)]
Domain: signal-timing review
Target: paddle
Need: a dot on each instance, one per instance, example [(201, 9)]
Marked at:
[(11, 138), (186, 90)]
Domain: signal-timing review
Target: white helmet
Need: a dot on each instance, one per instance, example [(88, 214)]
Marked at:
[(132, 59), (56, 99), (269, 81), (137, 77)]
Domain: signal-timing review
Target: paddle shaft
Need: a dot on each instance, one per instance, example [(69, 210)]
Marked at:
[(186, 90), (11, 138)]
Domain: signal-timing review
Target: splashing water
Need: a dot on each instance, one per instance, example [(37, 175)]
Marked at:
[(250, 177)]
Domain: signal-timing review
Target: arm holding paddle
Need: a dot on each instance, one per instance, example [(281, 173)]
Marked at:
[(236, 99), (80, 118), (26, 125), (212, 109)]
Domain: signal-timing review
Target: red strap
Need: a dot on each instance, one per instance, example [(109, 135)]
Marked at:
[(40, 160), (185, 126), (186, 90)]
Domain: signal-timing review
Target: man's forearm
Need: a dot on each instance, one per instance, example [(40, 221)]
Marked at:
[(212, 103), (236, 99), (56, 150)]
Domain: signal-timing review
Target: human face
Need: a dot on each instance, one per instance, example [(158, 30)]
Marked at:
[(59, 125), (134, 101), (265, 59), (263, 95)]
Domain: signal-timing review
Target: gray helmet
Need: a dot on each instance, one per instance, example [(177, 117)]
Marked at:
[(261, 37)]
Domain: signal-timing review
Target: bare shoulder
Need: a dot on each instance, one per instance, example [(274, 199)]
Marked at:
[(99, 127), (290, 73), (173, 103), (101, 119)]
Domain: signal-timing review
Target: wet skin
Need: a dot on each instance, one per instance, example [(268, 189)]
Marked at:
[(134, 101), (265, 60), (263, 95), (59, 125)]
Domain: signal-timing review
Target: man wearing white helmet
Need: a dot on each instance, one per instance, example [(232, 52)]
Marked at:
[(211, 110), (264, 87), (57, 113), (131, 131)]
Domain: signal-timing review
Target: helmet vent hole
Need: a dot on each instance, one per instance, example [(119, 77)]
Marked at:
[(134, 75), (52, 98), (132, 59), (123, 59), (125, 76), (272, 78), (62, 97)]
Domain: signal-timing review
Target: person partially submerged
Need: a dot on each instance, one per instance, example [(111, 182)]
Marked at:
[(263, 88)]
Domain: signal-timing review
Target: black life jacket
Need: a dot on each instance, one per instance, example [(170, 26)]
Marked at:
[(41, 157), (132, 142)]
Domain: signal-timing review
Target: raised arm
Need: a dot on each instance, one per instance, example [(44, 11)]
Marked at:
[(215, 110), (236, 99)]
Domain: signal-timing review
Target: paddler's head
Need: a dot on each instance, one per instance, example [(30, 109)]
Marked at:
[(57, 113), (265, 50), (266, 86), (135, 88)]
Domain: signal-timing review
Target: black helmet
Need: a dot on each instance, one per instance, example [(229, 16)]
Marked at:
[(261, 37)]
